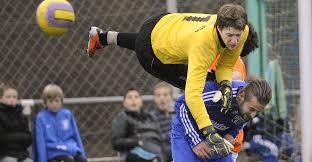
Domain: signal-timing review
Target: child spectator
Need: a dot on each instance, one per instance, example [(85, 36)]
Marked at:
[(163, 114), (15, 136), (135, 133), (56, 135)]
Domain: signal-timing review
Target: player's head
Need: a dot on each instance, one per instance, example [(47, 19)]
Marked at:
[(133, 100), (231, 21), (163, 96), (52, 96), (253, 98), (8, 94)]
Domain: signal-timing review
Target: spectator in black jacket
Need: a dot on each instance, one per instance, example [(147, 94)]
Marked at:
[(163, 113), (15, 136), (134, 130)]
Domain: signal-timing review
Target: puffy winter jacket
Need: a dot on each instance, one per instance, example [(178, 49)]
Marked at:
[(15, 136), (129, 128)]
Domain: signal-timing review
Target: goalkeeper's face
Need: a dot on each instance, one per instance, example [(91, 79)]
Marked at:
[(230, 37), (249, 109)]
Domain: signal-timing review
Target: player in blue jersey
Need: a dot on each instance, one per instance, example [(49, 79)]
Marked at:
[(188, 142)]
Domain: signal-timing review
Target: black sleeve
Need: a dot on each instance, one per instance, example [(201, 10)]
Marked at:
[(121, 139)]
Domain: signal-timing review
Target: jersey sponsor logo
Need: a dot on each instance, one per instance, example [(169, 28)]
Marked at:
[(197, 19), (65, 124), (201, 28), (219, 126), (237, 119)]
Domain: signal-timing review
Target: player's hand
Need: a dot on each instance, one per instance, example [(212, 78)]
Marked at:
[(202, 150), (222, 149), (229, 138), (225, 93), (212, 137), (219, 145)]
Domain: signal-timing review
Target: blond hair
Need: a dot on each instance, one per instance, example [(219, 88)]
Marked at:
[(52, 91), (163, 84)]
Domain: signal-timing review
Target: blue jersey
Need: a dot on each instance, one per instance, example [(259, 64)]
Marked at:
[(231, 123), (56, 134)]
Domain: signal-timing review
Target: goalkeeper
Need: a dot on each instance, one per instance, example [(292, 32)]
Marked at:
[(178, 48), (193, 145)]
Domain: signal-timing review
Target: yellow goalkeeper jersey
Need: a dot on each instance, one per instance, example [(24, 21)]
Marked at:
[(191, 38)]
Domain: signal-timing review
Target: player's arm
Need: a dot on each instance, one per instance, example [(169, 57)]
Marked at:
[(198, 62), (192, 134), (201, 147), (200, 59), (224, 73)]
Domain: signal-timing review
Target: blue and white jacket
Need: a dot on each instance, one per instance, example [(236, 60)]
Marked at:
[(229, 123), (56, 134)]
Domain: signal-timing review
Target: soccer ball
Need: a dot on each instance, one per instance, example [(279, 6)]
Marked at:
[(55, 17)]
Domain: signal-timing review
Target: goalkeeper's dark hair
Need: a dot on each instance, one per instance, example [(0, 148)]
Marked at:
[(259, 88), (251, 43), (231, 15)]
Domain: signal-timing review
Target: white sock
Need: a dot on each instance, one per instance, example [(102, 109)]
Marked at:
[(112, 37)]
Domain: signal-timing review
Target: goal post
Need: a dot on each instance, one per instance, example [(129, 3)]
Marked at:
[(305, 49)]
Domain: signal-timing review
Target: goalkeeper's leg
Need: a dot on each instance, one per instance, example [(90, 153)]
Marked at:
[(99, 38)]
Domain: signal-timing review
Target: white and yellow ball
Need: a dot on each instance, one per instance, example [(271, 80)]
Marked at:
[(55, 17)]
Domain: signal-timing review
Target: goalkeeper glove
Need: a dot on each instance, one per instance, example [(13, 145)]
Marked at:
[(222, 149), (219, 145), (225, 93)]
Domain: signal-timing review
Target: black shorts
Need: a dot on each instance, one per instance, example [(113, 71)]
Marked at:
[(174, 74)]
